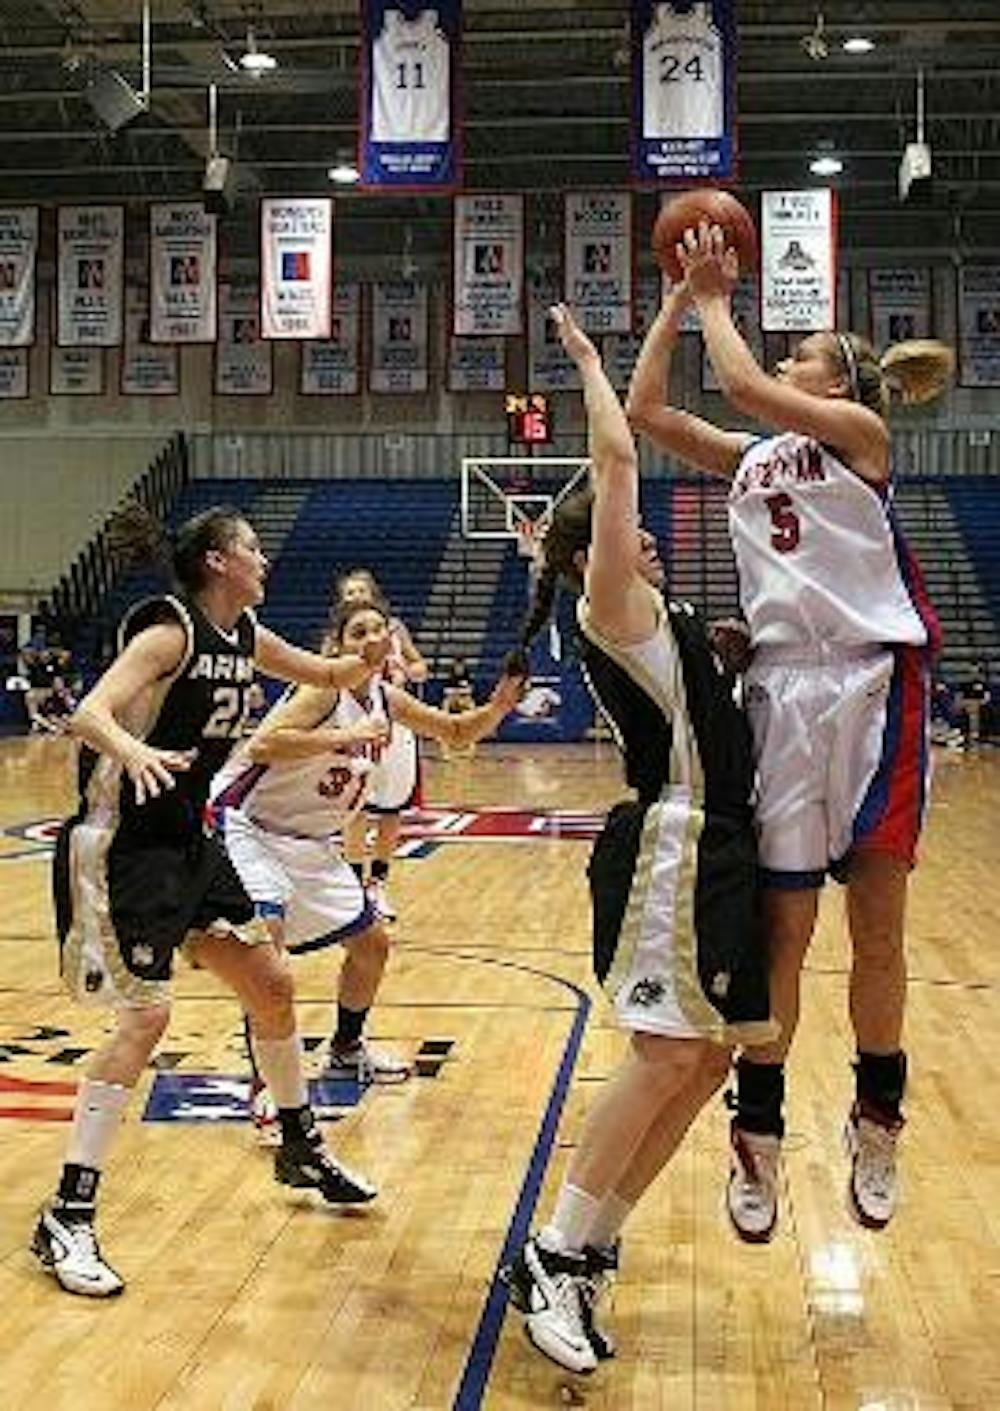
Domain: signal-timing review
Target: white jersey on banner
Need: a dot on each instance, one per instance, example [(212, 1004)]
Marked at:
[(819, 558), (683, 85), (306, 798), (411, 80)]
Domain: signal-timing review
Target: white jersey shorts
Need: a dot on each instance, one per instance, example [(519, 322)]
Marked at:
[(841, 741), (392, 782), (304, 880)]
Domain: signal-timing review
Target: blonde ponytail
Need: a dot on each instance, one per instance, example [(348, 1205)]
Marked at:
[(918, 370)]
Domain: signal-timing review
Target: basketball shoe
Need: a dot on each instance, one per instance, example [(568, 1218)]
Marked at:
[(305, 1164), (752, 1190), (378, 894), (366, 1064), (65, 1244), (547, 1288), (874, 1182), (601, 1269)]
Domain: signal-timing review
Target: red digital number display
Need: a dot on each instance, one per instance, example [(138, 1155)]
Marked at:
[(529, 421)]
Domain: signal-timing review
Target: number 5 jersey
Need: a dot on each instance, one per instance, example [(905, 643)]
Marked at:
[(819, 553)]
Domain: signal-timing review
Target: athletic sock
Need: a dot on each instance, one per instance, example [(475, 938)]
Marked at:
[(569, 1228), (280, 1062), (760, 1096), (350, 1025)]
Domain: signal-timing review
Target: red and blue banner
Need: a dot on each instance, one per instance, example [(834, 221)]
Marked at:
[(683, 91), (408, 123)]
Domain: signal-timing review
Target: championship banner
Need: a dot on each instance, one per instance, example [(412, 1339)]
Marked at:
[(147, 369), (90, 260), (899, 300), (620, 350), (746, 317), (598, 259), (18, 259), (76, 372), (979, 325), (477, 364), (408, 118), (683, 91), (13, 374), (244, 364), (182, 260), (332, 367), (798, 261), (296, 289), (399, 337), (488, 265), (549, 368)]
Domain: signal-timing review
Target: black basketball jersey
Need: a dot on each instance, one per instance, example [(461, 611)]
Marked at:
[(202, 706), (685, 729)]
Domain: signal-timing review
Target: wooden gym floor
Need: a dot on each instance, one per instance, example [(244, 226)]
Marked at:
[(239, 1300)]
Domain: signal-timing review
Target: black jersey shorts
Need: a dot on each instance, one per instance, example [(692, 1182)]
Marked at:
[(125, 903)]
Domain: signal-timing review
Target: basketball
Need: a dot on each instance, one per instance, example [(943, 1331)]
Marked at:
[(705, 203)]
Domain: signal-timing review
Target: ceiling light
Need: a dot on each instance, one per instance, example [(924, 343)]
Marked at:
[(344, 174), (859, 44), (826, 165), (254, 60)]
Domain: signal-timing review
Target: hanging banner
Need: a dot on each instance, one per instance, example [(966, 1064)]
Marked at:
[(408, 121), (488, 265), (979, 325), (899, 301), (399, 337), (182, 259), (598, 259), (798, 261), (332, 367), (620, 350), (90, 260), (76, 372), (296, 291), (18, 261), (13, 373), (476, 364), (746, 317), (549, 368), (244, 363), (683, 91), (147, 369)]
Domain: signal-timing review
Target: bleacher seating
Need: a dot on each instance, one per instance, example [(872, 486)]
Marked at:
[(408, 532)]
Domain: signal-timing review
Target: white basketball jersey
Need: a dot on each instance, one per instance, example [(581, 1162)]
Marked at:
[(683, 92), (313, 797), (819, 556), (410, 80)]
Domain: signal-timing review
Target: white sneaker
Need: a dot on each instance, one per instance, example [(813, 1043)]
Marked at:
[(546, 1287), (66, 1246), (601, 1271), (264, 1115), (366, 1064), (379, 894), (874, 1182), (752, 1190)]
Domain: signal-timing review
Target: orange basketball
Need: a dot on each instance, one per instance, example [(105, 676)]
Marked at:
[(704, 203)]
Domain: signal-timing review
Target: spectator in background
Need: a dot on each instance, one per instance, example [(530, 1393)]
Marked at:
[(976, 699), (458, 695)]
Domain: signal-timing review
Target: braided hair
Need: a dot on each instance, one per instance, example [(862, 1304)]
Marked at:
[(915, 371), (568, 534)]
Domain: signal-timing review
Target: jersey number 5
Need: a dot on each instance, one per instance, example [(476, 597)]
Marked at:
[(785, 526)]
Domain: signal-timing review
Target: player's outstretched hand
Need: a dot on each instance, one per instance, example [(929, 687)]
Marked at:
[(575, 342), (152, 771), (710, 268), (510, 688)]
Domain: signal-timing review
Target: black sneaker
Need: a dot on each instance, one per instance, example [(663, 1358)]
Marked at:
[(308, 1166), (65, 1245), (601, 1263)]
